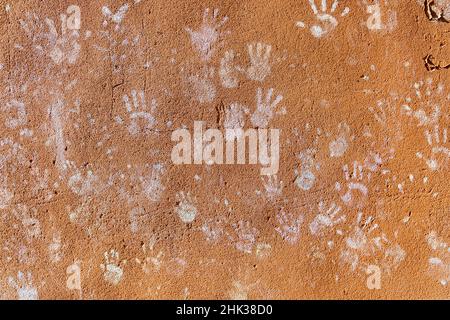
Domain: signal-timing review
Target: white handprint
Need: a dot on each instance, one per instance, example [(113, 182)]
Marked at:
[(213, 229), (203, 86), (355, 182), (246, 236), (306, 178), (65, 47), (139, 110), (81, 183), (123, 48), (289, 226), (264, 110), (325, 219), (340, 144), (24, 286), (151, 185), (437, 141), (31, 225), (150, 262), (112, 271), (273, 186), (206, 37), (228, 71), (185, 208), (428, 99), (11, 152), (439, 263), (259, 61), (325, 17), (234, 121), (60, 47)]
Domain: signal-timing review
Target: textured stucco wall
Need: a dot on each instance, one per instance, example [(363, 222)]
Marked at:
[(92, 206)]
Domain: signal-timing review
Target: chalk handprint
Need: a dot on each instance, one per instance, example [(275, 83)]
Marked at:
[(138, 110), (259, 54), (112, 270), (264, 109), (24, 286), (205, 38), (326, 21), (437, 141)]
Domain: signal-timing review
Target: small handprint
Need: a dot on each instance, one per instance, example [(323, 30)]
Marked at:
[(213, 229), (65, 47), (112, 270), (228, 71), (289, 226), (203, 86), (427, 98), (31, 225), (325, 17), (151, 261), (24, 286), (383, 112), (439, 262), (152, 185), (273, 187), (83, 182), (340, 144), (388, 115), (265, 110), (306, 178), (246, 236), (185, 208), (327, 218), (437, 141), (259, 54), (234, 121), (206, 37), (59, 47), (139, 110), (355, 182)]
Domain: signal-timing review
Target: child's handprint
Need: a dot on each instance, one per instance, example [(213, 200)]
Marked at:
[(140, 110), (289, 226), (259, 54), (273, 187), (112, 271), (205, 38), (185, 208), (264, 110), (437, 141), (228, 71), (59, 47), (325, 219), (356, 181), (202, 85), (24, 286), (326, 21)]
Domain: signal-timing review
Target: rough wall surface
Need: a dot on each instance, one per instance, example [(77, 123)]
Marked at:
[(92, 205)]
